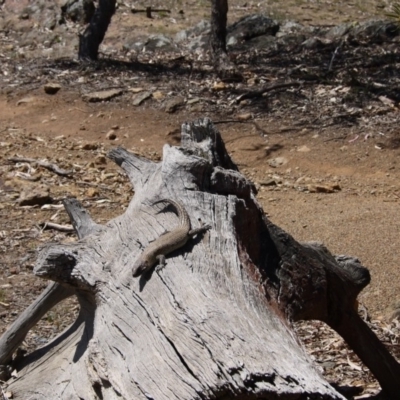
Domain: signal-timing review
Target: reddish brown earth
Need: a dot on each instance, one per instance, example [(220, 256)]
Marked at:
[(360, 217)]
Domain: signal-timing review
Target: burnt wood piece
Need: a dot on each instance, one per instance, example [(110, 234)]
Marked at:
[(91, 38)]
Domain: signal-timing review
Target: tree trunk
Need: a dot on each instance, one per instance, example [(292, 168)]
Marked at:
[(219, 15), (90, 40), (214, 323)]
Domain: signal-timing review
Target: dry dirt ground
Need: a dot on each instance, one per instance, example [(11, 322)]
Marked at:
[(359, 216)]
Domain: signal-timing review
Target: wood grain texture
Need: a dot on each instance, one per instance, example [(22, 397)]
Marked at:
[(213, 324)]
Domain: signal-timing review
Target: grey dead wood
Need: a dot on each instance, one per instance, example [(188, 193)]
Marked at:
[(215, 323)]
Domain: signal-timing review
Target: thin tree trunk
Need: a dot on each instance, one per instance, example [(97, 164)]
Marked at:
[(219, 16), (90, 40)]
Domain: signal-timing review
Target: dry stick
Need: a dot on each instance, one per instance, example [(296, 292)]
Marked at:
[(80, 109), (334, 55), (45, 164), (58, 227), (343, 137), (259, 93), (96, 185), (148, 11), (27, 177)]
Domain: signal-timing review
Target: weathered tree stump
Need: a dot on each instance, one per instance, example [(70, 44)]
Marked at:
[(215, 322)]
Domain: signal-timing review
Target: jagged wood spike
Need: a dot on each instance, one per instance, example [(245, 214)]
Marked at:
[(134, 166), (15, 334), (80, 217)]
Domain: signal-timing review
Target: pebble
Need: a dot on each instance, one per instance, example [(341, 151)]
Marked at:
[(51, 88), (100, 159), (277, 162), (103, 95), (90, 146), (36, 196), (140, 98), (172, 105), (111, 135), (92, 192)]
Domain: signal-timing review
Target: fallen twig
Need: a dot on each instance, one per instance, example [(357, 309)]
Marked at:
[(57, 227), (45, 164), (353, 140), (96, 185), (259, 93), (334, 55), (343, 137), (149, 10), (27, 177)]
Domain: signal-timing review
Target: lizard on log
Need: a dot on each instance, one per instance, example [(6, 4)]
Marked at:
[(167, 243)]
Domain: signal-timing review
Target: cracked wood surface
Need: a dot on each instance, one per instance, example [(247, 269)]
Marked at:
[(209, 325)]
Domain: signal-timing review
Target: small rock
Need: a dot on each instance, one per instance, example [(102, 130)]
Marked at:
[(197, 108), (158, 95), (157, 43), (244, 117), (387, 101), (100, 159), (102, 95), (135, 90), (140, 98), (37, 196), (90, 146), (173, 104), (269, 182), (78, 10), (253, 26), (323, 188), (302, 179), (303, 149), (51, 88), (219, 86), (277, 162), (313, 43), (253, 81), (111, 135), (193, 101), (92, 192), (14, 270), (244, 102)]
